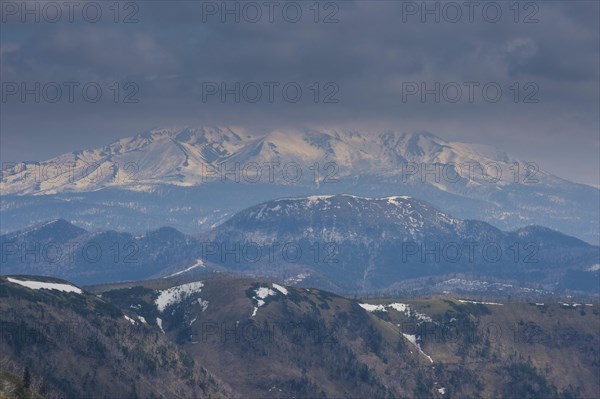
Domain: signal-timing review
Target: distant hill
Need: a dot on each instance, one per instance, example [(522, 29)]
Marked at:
[(342, 243), (356, 243)]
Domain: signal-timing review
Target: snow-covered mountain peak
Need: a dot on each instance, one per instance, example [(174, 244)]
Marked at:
[(192, 156)]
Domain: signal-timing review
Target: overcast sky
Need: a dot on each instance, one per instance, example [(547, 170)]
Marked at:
[(369, 59)]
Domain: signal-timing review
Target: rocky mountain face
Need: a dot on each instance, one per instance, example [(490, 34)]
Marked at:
[(342, 243), (194, 178), (245, 338)]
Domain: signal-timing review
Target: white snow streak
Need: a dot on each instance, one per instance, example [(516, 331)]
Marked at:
[(36, 285)]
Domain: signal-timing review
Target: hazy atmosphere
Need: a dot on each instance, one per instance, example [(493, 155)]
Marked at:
[(305, 199)]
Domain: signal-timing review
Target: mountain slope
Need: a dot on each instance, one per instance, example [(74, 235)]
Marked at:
[(78, 345), (246, 338), (360, 244)]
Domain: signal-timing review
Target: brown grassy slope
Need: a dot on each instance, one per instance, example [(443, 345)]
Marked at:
[(82, 346)]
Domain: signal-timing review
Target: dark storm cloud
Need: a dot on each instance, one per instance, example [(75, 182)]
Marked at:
[(370, 54)]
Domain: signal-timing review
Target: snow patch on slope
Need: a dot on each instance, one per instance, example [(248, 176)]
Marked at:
[(280, 288), (413, 340), (400, 307), (261, 294), (203, 303), (372, 308), (159, 324), (593, 268), (199, 263), (176, 294), (481, 303), (36, 285)]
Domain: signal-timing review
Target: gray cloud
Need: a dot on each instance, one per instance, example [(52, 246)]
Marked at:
[(369, 54)]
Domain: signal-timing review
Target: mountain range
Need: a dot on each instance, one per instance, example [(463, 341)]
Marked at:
[(343, 243), (195, 178)]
